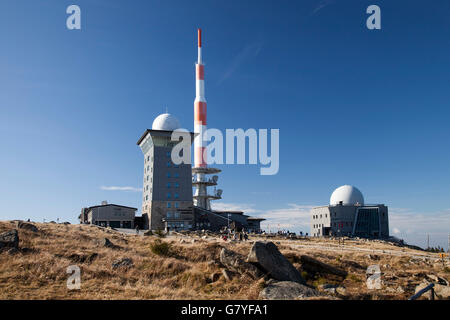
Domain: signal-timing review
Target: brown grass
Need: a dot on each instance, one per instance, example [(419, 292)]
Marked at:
[(164, 268)]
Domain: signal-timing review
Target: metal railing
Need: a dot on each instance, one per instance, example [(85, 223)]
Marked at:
[(424, 290)]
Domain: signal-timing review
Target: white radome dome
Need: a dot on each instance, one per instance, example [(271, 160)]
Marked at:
[(166, 122), (348, 195)]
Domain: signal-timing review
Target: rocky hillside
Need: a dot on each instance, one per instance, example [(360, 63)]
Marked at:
[(34, 261)]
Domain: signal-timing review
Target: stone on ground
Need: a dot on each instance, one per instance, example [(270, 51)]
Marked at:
[(287, 290), (26, 226), (270, 260), (125, 262), (235, 262), (9, 239)]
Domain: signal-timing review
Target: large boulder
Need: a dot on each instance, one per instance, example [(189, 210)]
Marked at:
[(269, 259), (26, 226), (236, 262), (287, 290), (440, 291), (314, 266), (9, 239)]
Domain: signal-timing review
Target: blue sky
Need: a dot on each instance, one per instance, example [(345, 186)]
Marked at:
[(354, 106)]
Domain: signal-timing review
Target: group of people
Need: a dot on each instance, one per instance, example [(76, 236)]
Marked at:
[(235, 235)]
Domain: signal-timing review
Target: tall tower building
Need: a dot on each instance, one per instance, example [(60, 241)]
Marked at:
[(201, 170), (167, 188)]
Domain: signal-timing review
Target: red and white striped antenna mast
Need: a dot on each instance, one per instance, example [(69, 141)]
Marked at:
[(200, 170)]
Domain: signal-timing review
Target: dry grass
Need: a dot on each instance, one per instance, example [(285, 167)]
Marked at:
[(164, 268)]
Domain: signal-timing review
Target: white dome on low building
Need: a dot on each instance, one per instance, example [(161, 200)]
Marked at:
[(166, 122), (347, 195)]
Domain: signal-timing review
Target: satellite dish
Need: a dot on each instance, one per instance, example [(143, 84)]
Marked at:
[(215, 178)]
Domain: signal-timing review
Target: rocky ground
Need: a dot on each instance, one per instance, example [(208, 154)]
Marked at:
[(35, 257)]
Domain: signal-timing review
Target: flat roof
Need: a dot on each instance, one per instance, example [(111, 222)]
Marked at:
[(255, 218), (164, 132), (111, 204), (229, 211)]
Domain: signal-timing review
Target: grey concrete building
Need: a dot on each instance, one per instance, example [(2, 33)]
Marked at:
[(167, 187), (347, 215), (109, 215), (167, 197)]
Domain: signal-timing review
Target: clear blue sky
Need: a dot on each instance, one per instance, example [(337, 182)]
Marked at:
[(354, 106)]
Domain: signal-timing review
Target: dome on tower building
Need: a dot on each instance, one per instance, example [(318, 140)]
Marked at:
[(347, 195), (166, 122)]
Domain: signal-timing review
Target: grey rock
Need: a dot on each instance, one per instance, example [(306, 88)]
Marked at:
[(328, 288), (227, 275), (341, 290), (313, 266), (287, 290), (26, 226), (270, 260), (441, 292), (125, 262), (437, 279), (9, 239), (235, 262), (105, 242)]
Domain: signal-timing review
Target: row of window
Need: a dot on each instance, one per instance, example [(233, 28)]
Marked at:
[(176, 204), (176, 195), (173, 214), (176, 185), (170, 164), (317, 216), (147, 159)]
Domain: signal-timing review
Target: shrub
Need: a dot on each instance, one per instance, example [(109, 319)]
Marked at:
[(161, 248)]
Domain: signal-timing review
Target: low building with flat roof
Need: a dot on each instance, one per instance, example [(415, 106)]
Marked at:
[(109, 215)]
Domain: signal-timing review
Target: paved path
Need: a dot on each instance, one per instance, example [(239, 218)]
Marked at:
[(342, 248), (327, 247)]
